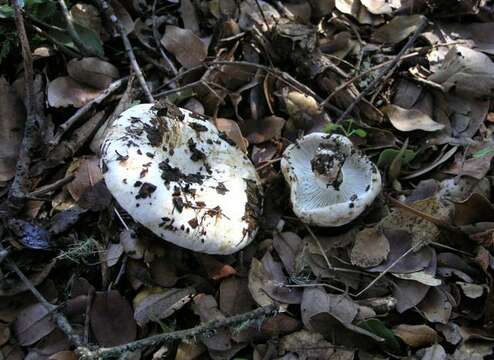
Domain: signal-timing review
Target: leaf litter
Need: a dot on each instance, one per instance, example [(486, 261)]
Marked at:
[(411, 277)]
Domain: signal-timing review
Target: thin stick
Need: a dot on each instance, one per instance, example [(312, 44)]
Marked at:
[(156, 36), (323, 253), (57, 316), (51, 187), (154, 340), (22, 182), (72, 31), (386, 71), (128, 47), (81, 112), (371, 284)]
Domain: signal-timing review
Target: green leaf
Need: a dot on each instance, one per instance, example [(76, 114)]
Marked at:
[(378, 328), (387, 156), (489, 150), (89, 37), (359, 132), (329, 128), (6, 12)]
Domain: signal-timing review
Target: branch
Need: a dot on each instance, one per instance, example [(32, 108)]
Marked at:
[(86, 51), (108, 10), (205, 328), (386, 72), (22, 182)]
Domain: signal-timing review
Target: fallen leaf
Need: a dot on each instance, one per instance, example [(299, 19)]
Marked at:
[(63, 355), (113, 254), (111, 319), (123, 15), (234, 296), (4, 334), (189, 350), (466, 72), (370, 249), (86, 15), (416, 335), (232, 131), (32, 324), (410, 120), (381, 7), (155, 304), (92, 72), (436, 306), (64, 91), (132, 245), (30, 235), (398, 29), (189, 16), (472, 291), (359, 12), (266, 129), (408, 294), (87, 173), (306, 345), (215, 269), (475, 162), (279, 325), (315, 300), (187, 47), (288, 246), (264, 18)]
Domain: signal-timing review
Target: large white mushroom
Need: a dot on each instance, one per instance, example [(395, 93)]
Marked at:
[(174, 173), (331, 182)]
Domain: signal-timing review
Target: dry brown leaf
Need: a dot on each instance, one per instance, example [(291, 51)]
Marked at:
[(189, 350), (436, 306), (64, 91), (370, 249), (475, 162), (111, 319), (398, 29), (123, 15), (32, 324), (266, 129), (155, 304), (189, 16), (232, 131), (93, 72), (359, 12), (187, 47), (307, 345), (12, 116), (250, 15), (288, 245), (235, 297), (410, 119), (87, 174), (416, 335)]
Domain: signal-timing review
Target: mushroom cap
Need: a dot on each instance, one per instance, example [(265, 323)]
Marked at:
[(174, 173), (316, 199)]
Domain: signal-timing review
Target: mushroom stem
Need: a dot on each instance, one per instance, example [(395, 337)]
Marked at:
[(326, 166)]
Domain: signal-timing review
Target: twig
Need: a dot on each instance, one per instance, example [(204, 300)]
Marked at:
[(57, 316), (87, 354), (73, 32), (321, 249), (386, 71), (108, 10), (22, 182), (168, 62), (51, 187), (85, 109)]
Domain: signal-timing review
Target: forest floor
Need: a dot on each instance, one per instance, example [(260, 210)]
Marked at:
[(410, 83)]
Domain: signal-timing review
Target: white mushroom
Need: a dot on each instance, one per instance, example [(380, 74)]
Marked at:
[(331, 182), (174, 173)]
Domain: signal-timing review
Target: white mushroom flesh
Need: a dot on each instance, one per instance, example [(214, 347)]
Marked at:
[(331, 182), (174, 173)]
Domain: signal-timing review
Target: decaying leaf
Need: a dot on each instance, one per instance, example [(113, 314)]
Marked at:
[(156, 304), (232, 131), (371, 248), (306, 345), (87, 173), (32, 324), (65, 91), (111, 319), (409, 120), (187, 47)]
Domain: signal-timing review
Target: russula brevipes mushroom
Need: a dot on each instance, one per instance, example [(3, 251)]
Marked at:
[(174, 173), (331, 182)]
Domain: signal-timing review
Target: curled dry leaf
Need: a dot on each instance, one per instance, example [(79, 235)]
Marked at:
[(111, 319), (410, 119), (370, 249), (155, 304), (466, 72), (12, 116), (416, 335), (186, 46), (232, 131), (398, 29), (93, 72), (64, 91), (32, 324)]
